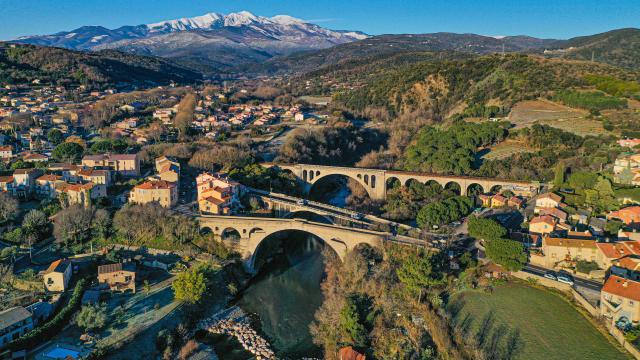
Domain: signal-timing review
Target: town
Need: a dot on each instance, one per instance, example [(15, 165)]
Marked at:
[(474, 200)]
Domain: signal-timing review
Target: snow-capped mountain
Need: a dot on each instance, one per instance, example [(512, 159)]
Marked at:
[(211, 39)]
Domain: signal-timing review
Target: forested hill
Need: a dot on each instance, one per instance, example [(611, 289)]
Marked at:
[(384, 46), (25, 63), (439, 86), (618, 47)]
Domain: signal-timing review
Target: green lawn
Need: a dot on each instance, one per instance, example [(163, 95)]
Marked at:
[(517, 321)]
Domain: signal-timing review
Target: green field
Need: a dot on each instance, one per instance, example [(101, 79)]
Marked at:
[(517, 321)]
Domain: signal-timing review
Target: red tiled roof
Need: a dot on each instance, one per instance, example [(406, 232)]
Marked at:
[(624, 288), (544, 219), (160, 184), (49, 177), (347, 353), (552, 196), (614, 250), (552, 241), (6, 179)]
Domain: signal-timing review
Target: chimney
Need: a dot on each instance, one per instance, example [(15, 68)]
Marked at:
[(625, 284)]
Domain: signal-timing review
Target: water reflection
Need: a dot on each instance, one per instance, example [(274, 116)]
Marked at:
[(286, 294)]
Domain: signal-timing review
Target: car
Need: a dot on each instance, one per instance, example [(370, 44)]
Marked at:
[(623, 323), (551, 275), (357, 216), (565, 278), (301, 202)]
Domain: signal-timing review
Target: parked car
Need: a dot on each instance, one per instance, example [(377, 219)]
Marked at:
[(623, 323), (357, 216), (551, 275), (301, 202), (565, 278)]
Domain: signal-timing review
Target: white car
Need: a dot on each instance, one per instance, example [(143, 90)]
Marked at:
[(566, 279), (301, 202)]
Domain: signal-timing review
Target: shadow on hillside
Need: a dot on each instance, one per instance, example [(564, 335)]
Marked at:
[(484, 333)]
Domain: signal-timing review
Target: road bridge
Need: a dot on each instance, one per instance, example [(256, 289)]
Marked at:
[(253, 230), (376, 181)]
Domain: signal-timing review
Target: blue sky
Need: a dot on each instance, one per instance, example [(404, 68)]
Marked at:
[(541, 18)]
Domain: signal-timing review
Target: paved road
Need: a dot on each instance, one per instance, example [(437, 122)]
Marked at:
[(589, 284)]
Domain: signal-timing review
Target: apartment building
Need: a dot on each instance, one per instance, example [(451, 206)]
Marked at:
[(163, 192)]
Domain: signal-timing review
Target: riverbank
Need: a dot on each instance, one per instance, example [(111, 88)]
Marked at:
[(234, 322)]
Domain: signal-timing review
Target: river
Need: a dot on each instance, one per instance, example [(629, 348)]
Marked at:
[(285, 295)]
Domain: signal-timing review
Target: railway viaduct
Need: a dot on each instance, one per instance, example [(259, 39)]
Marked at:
[(375, 181)]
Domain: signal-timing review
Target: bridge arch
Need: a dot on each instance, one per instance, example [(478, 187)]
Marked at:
[(453, 186), (474, 189), (363, 181), (277, 240), (392, 182), (496, 188)]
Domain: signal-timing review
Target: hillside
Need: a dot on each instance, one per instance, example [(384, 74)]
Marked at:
[(617, 47), (390, 45), (24, 63), (437, 87)]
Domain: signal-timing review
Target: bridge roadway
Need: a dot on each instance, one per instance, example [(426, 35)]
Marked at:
[(287, 206), (253, 230), (375, 181)]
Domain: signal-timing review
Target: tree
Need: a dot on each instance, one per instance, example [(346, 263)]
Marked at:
[(416, 273), (8, 207), (351, 325), (485, 229), (55, 136), (34, 226), (68, 152), (73, 225), (613, 226), (91, 317), (508, 253), (559, 172), (189, 286)]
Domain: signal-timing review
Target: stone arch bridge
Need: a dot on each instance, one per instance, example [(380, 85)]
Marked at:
[(253, 230), (375, 181)]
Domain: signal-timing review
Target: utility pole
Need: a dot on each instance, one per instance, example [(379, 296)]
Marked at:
[(593, 55)]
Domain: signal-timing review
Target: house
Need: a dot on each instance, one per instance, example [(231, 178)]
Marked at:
[(14, 323), (6, 152), (35, 158), (81, 194), (24, 181), (610, 252), (168, 169), (555, 212), (216, 194), (347, 353), (629, 215), (547, 201), (118, 277), (96, 176), (543, 224), (627, 267), (123, 164), (498, 201), (46, 186), (6, 184), (516, 202), (597, 225), (163, 192), (485, 199), (558, 250), (629, 142), (57, 276), (620, 298)]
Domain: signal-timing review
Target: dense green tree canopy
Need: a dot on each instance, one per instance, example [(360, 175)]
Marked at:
[(68, 152)]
